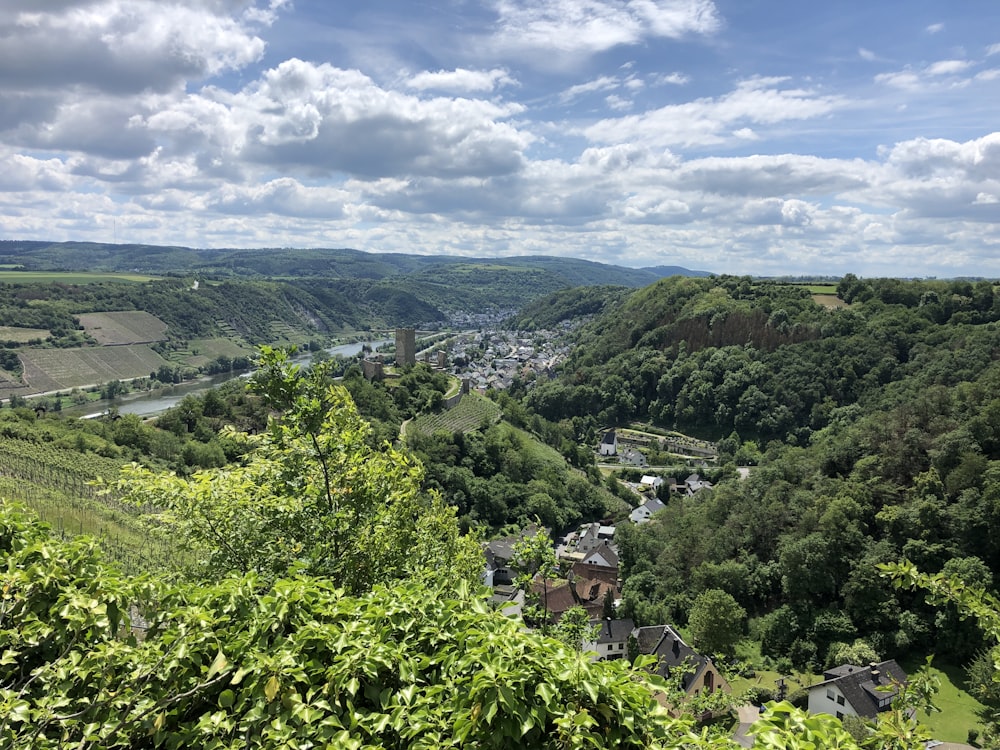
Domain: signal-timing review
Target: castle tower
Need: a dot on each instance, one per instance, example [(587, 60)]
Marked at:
[(406, 346)]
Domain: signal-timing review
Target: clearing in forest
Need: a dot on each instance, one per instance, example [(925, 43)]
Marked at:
[(22, 335)]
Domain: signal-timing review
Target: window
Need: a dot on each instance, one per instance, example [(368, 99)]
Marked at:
[(829, 694), (621, 646), (840, 714), (840, 700)]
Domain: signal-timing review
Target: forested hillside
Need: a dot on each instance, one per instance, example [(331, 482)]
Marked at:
[(875, 429), (318, 263)]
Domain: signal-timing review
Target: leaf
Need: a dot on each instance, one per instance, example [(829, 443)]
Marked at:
[(218, 665), (272, 688)]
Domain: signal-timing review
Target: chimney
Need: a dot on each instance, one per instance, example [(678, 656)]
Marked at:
[(677, 647), (876, 674)]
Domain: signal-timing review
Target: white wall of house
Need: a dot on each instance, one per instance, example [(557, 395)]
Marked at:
[(827, 699)]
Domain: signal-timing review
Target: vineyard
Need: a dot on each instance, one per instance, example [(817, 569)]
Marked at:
[(471, 413), (59, 369), (59, 485), (129, 327)]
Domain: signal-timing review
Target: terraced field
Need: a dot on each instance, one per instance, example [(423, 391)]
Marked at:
[(129, 327), (59, 369)]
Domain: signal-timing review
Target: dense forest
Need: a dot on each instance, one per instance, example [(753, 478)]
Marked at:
[(874, 430)]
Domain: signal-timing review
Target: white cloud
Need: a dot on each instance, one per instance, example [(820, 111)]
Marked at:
[(618, 103), (121, 46), (604, 83), (940, 75), (935, 28), (672, 79), (947, 67), (993, 49), (461, 80), (26, 173), (325, 120), (867, 54), (702, 122), (553, 28)]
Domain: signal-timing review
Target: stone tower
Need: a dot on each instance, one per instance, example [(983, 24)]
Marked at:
[(406, 346)]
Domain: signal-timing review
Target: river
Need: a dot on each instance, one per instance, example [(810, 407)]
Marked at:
[(158, 400)]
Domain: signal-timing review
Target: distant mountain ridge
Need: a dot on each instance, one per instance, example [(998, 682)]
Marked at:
[(286, 263)]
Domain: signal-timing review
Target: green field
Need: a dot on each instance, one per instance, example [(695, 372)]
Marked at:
[(56, 482), (820, 288), (21, 335), (70, 277)]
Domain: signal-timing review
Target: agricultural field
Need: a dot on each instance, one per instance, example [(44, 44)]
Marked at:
[(202, 351), (61, 369), (829, 301), (70, 277), (129, 327), (57, 484), (471, 412), (21, 335)]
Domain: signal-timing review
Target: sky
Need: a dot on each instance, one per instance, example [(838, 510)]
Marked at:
[(765, 137)]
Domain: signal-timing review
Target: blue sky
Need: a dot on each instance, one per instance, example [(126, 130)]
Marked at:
[(736, 136)]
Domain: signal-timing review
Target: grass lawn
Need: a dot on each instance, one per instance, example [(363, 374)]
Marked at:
[(959, 711)]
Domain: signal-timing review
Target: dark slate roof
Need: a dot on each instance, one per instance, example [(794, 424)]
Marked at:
[(673, 653), (608, 438), (613, 631), (502, 550), (604, 550), (865, 687), (648, 637)]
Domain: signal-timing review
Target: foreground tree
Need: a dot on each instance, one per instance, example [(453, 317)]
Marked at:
[(300, 663), (310, 495)]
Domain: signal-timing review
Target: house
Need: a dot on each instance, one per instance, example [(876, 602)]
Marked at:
[(555, 596), (696, 673), (650, 482), (849, 690), (609, 444), (602, 555), (612, 639), (591, 535), (695, 483), (647, 509), (508, 599), (499, 553), (634, 457)]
